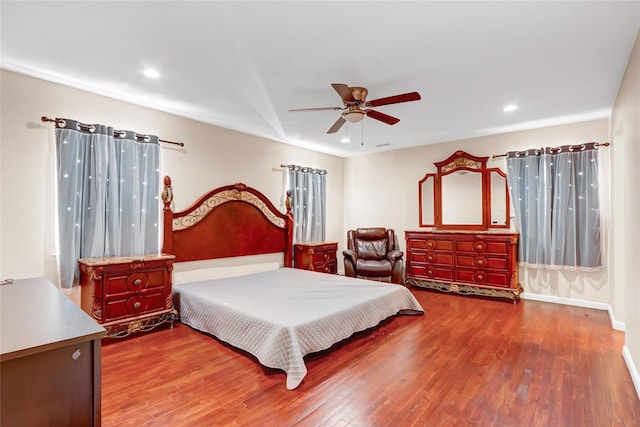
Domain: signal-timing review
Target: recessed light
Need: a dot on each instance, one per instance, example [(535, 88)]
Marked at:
[(511, 107), (345, 140), (151, 73)]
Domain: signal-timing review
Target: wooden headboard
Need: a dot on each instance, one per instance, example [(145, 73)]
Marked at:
[(234, 220)]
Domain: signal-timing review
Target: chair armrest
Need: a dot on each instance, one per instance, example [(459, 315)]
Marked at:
[(395, 255), (350, 254)]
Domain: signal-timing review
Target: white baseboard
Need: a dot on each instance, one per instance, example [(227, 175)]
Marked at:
[(633, 370), (615, 324)]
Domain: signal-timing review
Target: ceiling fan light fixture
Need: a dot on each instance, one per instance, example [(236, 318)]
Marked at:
[(354, 116)]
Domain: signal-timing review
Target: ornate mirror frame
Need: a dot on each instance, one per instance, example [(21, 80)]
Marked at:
[(431, 197)]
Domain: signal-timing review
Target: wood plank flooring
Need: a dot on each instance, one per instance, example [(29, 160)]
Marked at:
[(465, 362)]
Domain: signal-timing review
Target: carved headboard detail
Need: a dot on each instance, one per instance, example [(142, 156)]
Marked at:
[(234, 220)]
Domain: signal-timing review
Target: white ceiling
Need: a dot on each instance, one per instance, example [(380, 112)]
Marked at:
[(243, 65)]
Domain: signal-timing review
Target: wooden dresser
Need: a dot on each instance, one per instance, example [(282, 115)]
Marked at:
[(50, 358), (127, 294), (465, 262), (316, 257)]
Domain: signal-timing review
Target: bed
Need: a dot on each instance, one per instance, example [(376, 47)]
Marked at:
[(279, 315)]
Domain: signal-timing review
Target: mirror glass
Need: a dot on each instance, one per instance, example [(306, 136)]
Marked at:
[(427, 201), (462, 196), (499, 204)]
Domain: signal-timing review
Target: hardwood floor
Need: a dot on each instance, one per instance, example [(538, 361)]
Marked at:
[(465, 362)]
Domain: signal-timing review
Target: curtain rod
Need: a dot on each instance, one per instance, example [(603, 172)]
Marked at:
[(309, 169), (572, 147), (47, 119)]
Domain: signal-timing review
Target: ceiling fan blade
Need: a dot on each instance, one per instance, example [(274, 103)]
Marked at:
[(318, 109), (337, 125), (385, 118), (344, 92), (396, 99)]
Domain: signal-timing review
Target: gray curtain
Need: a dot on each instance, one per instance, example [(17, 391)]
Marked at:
[(108, 186), (554, 192), (308, 203)]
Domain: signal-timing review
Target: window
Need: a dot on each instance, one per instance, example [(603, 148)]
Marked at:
[(554, 192), (108, 187), (308, 203)]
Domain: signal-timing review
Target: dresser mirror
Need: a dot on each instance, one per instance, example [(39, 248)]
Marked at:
[(499, 196), (464, 194), (426, 198)]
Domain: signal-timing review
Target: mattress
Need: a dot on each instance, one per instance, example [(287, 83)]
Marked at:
[(282, 315)]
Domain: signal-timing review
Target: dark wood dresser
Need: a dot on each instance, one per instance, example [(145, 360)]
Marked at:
[(49, 358), (465, 262), (316, 256), (127, 294)]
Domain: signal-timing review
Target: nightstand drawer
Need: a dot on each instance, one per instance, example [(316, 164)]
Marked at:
[(324, 256), (134, 282), (326, 267), (135, 305)]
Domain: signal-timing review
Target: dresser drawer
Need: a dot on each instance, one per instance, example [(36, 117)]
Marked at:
[(430, 257), (483, 246), (432, 272), (483, 277), (433, 244), (480, 261)]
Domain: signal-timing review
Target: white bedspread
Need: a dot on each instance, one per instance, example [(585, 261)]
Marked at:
[(280, 316)]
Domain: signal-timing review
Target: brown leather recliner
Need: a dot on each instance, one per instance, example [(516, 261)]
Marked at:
[(372, 254)]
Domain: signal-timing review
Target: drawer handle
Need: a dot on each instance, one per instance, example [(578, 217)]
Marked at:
[(480, 277), (326, 255), (429, 272), (137, 282), (430, 258), (479, 247), (430, 244), (480, 262), (137, 305)]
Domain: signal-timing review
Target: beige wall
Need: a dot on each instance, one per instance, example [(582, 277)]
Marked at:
[(374, 183), (211, 158), (625, 134), (379, 189)]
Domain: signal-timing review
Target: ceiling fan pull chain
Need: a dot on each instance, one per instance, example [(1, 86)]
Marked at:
[(345, 139)]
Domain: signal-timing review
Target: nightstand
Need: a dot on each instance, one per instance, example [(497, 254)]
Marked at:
[(127, 294), (319, 256)]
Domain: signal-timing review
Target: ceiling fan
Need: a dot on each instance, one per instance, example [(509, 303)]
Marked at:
[(356, 107)]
